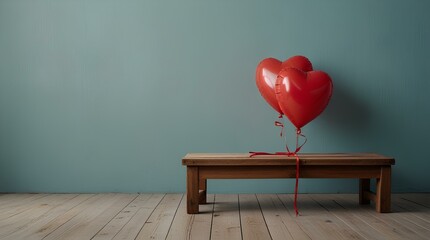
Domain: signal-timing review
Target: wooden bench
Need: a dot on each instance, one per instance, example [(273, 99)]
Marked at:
[(364, 166)]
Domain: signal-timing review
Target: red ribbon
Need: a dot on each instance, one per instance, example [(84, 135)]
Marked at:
[(289, 154), (296, 188), (279, 124)]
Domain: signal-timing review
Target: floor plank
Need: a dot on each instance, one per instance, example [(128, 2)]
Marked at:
[(402, 219), (347, 216), (145, 209), (37, 228), (38, 209), (251, 218), (413, 208), (192, 226), (13, 200), (111, 229), (418, 225), (226, 216), (87, 223), (9, 209), (422, 199), (384, 223), (158, 224), (317, 222), (280, 220), (58, 221), (16, 214)]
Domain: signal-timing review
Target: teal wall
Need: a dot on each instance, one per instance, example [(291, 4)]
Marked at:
[(102, 96)]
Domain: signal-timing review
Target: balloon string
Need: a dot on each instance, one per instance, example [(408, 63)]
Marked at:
[(290, 154), (279, 124), (299, 134), (296, 187)]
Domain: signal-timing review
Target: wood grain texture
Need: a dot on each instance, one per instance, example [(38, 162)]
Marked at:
[(280, 219), (12, 201), (87, 223), (317, 222), (47, 228), (225, 216), (421, 199), (419, 225), (252, 219), (384, 223), (192, 190), (405, 202), (203, 185), (29, 217), (158, 224), (364, 166), (111, 229), (190, 226), (22, 204), (256, 172), (138, 220), (383, 191), (41, 226), (364, 228), (240, 159)]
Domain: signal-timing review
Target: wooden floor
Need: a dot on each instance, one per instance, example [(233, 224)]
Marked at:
[(248, 216)]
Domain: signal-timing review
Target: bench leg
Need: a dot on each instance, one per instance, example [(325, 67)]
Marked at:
[(364, 190), (202, 190), (383, 190), (192, 190)]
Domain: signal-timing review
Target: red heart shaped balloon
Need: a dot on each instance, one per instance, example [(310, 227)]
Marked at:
[(266, 74), (299, 62), (302, 96)]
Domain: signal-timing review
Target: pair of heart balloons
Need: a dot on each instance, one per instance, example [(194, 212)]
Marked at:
[(294, 89)]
